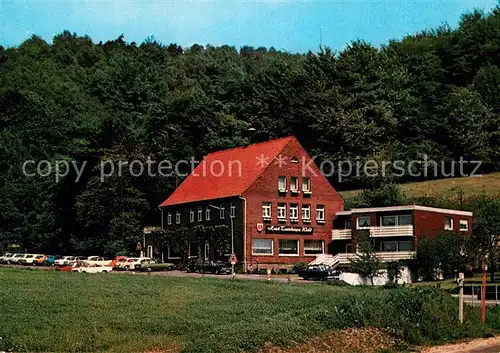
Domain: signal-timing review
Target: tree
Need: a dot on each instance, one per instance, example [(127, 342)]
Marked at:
[(394, 271), (444, 255), (366, 263), (486, 231)]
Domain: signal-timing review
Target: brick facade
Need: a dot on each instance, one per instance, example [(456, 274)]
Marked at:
[(265, 188)]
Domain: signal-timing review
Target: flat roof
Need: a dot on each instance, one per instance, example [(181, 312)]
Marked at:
[(404, 208)]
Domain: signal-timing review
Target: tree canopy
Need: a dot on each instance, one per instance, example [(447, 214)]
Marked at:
[(435, 94)]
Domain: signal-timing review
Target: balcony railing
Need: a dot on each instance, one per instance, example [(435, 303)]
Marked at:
[(387, 231), (343, 259), (392, 231), (338, 234)]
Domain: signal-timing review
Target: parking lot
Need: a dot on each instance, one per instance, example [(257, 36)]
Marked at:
[(177, 273)]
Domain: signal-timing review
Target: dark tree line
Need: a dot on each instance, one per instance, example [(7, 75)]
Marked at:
[(435, 93)]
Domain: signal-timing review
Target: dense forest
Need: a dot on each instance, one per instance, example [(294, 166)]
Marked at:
[(435, 94)]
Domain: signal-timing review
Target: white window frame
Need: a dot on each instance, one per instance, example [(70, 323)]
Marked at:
[(207, 213), (466, 223), (306, 213), (320, 208), (306, 185), (294, 185), (200, 214), (294, 212), (263, 254), (282, 188), (232, 210), (222, 212), (357, 222), (177, 217), (282, 209), (169, 218), (396, 223), (266, 210), (298, 247), (322, 247), (169, 257), (191, 215), (451, 223)]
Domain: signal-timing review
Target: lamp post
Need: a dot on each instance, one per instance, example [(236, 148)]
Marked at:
[(232, 235)]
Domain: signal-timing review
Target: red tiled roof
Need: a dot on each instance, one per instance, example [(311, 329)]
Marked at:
[(226, 173)]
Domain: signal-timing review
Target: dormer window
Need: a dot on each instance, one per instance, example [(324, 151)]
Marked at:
[(282, 184), (294, 160), (306, 185)]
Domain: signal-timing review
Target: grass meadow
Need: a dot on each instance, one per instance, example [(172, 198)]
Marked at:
[(53, 311), (488, 184)]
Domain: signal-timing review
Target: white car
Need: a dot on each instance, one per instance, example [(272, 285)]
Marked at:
[(98, 260), (91, 268), (64, 260), (131, 262), (15, 259), (5, 257), (27, 259)]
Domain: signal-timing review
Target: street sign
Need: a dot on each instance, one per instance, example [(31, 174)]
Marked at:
[(233, 259)]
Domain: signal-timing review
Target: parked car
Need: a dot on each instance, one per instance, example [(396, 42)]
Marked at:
[(68, 267), (50, 260), (132, 262), (27, 259), (15, 259), (5, 259), (149, 265), (99, 260), (216, 267), (319, 272), (39, 260), (117, 260), (86, 267), (120, 262), (64, 261), (2, 258)]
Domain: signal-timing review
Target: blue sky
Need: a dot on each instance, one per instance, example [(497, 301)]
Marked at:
[(290, 25)]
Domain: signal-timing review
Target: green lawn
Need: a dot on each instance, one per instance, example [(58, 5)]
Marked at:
[(54, 311)]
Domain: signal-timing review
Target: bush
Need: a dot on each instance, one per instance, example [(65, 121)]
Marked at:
[(299, 266)]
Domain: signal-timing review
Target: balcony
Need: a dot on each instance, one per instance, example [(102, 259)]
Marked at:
[(341, 234), (343, 259), (392, 231)]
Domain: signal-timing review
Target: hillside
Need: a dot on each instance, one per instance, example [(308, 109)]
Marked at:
[(74, 101), (449, 188)]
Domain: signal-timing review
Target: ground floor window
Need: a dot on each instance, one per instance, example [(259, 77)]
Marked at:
[(288, 247), (194, 249), (262, 247), (313, 247), (174, 252)]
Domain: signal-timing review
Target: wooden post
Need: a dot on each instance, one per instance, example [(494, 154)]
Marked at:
[(483, 295), (461, 297)]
